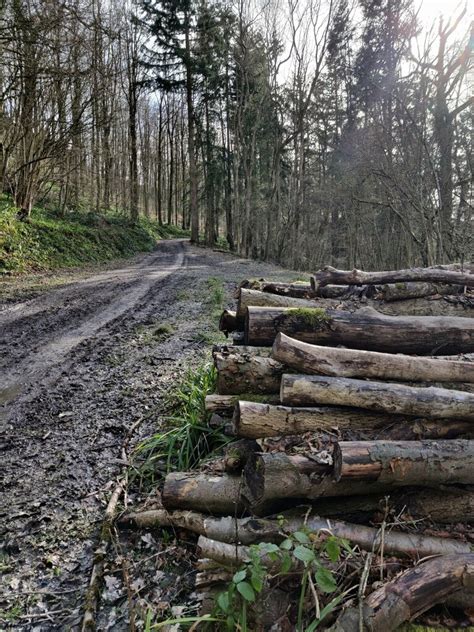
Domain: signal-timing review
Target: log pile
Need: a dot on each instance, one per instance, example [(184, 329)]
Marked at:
[(346, 410)]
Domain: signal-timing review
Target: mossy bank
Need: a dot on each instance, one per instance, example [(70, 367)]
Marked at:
[(47, 240)]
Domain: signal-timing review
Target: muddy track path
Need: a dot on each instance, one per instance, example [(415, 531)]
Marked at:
[(79, 365)]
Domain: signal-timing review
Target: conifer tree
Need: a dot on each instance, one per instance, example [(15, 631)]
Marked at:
[(172, 68)]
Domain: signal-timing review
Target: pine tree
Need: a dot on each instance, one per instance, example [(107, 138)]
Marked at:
[(172, 68)]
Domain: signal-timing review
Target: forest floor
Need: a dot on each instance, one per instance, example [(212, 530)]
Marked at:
[(84, 355)]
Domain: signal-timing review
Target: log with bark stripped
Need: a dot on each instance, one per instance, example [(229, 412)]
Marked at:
[(255, 420), (250, 530), (411, 594), (405, 463), (431, 402), (364, 329), (319, 360), (330, 275)]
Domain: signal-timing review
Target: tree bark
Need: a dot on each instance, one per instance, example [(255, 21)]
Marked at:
[(251, 530), (193, 174), (254, 298), (256, 420), (331, 361), (228, 321), (401, 291), (296, 290), (364, 329), (237, 453), (225, 404), (330, 275), (405, 463), (270, 479), (245, 373), (207, 492), (220, 404), (411, 594), (431, 402), (434, 306), (223, 553), (449, 504)]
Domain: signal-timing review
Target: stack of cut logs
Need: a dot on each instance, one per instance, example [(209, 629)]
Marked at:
[(352, 395)]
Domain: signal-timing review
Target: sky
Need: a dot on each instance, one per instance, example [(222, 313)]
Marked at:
[(432, 9)]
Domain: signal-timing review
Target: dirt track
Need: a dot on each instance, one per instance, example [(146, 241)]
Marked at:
[(79, 365)]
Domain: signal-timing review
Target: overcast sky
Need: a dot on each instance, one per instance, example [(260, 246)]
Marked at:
[(432, 9)]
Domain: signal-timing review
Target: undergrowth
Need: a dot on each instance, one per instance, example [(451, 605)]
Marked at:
[(187, 439), (48, 240), (239, 606), (213, 303)]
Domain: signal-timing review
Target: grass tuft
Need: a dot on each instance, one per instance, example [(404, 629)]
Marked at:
[(188, 440)]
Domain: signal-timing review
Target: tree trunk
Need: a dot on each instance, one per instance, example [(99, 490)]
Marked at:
[(434, 306), (364, 329), (272, 479), (253, 530), (331, 361), (295, 290), (331, 275), (254, 298), (408, 307), (225, 554), (431, 402), (405, 463), (447, 505), (411, 594), (228, 321), (207, 492), (220, 404), (401, 291), (256, 420), (193, 175), (225, 404), (243, 373)]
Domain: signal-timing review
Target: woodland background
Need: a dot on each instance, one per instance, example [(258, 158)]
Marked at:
[(303, 132)]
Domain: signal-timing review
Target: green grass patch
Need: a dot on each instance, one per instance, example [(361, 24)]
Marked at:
[(157, 332), (187, 440), (216, 294), (48, 241)]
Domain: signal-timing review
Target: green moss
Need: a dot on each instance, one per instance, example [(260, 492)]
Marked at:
[(258, 399), (400, 286), (302, 280), (314, 317)]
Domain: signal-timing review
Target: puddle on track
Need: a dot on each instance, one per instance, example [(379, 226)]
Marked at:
[(9, 393)]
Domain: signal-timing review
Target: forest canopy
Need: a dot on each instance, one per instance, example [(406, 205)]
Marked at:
[(304, 132)]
